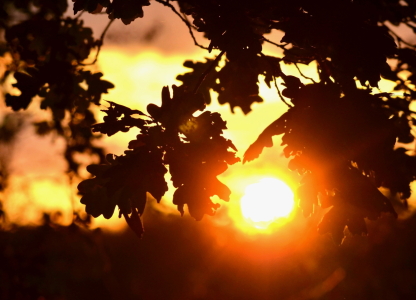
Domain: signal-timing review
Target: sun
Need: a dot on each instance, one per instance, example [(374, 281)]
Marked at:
[(266, 201)]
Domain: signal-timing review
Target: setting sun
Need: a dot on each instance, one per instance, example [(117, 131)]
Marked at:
[(266, 201)]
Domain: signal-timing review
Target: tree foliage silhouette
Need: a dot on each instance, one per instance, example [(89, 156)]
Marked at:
[(344, 136)]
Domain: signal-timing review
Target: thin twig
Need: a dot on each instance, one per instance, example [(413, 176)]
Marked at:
[(276, 44), (206, 72), (303, 75), (100, 43), (275, 81), (187, 20), (279, 93), (187, 23)]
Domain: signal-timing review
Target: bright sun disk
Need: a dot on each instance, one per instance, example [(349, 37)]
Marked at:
[(266, 201)]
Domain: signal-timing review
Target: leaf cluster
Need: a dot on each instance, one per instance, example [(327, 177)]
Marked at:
[(331, 141), (126, 10), (341, 138), (192, 147)]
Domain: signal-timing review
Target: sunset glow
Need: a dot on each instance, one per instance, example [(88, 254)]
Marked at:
[(266, 201), (129, 73)]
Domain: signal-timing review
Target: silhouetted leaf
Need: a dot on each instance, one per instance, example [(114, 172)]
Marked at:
[(135, 223), (126, 10), (239, 91), (96, 86), (89, 5), (265, 138), (119, 118), (29, 85), (191, 79), (123, 183)]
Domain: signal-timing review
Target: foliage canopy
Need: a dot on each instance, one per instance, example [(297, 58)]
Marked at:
[(345, 137)]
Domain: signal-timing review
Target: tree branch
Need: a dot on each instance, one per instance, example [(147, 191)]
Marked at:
[(276, 44), (279, 93), (100, 43), (303, 75), (187, 23)]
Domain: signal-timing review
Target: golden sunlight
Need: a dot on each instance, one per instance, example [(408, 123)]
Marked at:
[(266, 201)]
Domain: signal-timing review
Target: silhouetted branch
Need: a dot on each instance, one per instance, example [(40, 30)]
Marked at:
[(303, 75), (187, 23), (100, 43), (276, 44), (279, 93), (187, 20)]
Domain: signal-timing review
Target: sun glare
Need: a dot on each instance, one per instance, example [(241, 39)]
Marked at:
[(266, 201)]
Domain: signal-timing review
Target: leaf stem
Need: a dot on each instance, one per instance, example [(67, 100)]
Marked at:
[(206, 72)]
